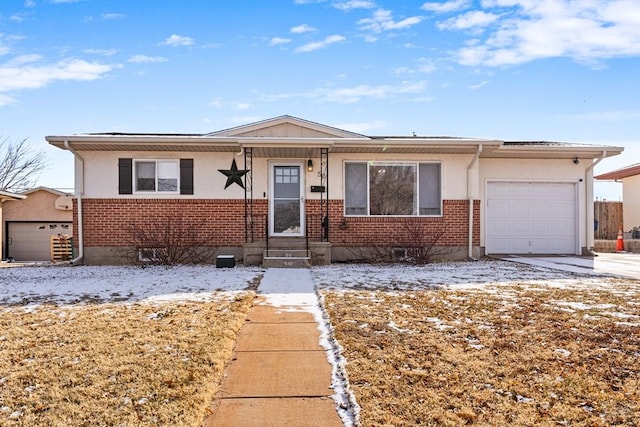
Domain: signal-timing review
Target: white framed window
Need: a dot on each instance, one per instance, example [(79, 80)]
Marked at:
[(392, 189), (160, 176)]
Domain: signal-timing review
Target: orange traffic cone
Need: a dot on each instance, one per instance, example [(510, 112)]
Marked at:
[(620, 241)]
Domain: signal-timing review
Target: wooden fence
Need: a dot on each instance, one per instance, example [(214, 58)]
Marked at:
[(608, 218)]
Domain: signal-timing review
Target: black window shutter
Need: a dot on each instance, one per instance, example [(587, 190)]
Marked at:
[(186, 176), (125, 176)]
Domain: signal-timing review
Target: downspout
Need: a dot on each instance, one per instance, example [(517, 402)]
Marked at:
[(471, 199), (588, 179), (79, 193)]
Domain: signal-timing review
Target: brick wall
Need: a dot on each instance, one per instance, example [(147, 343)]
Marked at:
[(106, 221), (357, 231)]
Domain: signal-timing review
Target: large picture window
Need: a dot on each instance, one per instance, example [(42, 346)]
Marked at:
[(157, 176), (401, 189)]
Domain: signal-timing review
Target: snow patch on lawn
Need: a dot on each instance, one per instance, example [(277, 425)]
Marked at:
[(32, 286)]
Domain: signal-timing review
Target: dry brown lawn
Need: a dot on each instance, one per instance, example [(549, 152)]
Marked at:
[(499, 355), (116, 364)]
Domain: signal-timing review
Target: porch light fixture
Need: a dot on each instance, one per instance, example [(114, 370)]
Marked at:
[(576, 160), (309, 165)]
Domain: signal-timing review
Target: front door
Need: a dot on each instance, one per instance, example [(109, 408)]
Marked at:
[(287, 202)]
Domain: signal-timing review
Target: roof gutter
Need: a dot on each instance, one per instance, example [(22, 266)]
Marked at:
[(79, 193), (471, 199), (588, 179)]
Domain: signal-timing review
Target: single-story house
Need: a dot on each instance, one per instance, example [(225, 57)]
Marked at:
[(29, 223), (283, 181), (630, 177)]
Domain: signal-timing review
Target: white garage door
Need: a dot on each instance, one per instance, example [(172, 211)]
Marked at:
[(30, 241), (531, 218)]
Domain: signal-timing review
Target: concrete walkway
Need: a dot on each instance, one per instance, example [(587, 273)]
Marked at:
[(605, 264), (280, 374)]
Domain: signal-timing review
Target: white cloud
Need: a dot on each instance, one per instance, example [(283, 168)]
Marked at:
[(241, 106), (21, 73), (587, 31), (144, 59), (104, 52), (6, 41), (309, 47), (175, 40), (354, 4), (6, 100), (219, 103), (304, 28), (447, 6), (469, 20), (362, 127), (350, 95), (278, 41), (111, 16), (479, 85), (29, 3), (216, 103), (382, 20), (211, 46), (424, 65), (18, 17), (23, 59)]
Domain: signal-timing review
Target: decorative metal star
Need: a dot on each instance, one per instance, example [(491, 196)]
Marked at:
[(234, 175)]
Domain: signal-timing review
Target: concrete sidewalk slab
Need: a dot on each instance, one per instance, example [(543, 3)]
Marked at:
[(278, 374), (284, 336), (267, 314), (276, 412)]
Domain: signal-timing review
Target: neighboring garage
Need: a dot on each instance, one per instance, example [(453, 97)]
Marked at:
[(28, 224), (531, 218)]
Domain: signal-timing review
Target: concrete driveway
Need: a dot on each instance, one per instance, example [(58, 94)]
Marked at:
[(607, 264)]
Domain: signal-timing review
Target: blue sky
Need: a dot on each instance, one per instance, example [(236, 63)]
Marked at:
[(559, 70)]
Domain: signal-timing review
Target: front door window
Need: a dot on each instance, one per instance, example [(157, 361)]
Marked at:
[(287, 202)]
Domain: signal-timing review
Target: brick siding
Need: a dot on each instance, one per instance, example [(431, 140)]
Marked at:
[(106, 221)]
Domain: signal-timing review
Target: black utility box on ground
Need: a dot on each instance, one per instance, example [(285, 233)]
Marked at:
[(225, 261)]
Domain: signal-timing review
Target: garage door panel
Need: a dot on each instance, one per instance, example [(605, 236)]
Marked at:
[(539, 227), (498, 208), (538, 192), (502, 245), (561, 192), (561, 227), (518, 209), (499, 190), (539, 210), (531, 217), (519, 228), (563, 210), (560, 246), (520, 245)]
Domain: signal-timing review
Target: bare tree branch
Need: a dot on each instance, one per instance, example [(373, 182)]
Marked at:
[(172, 240), (21, 166)]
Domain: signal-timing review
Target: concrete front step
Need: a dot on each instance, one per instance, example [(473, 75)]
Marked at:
[(282, 253), (286, 262)]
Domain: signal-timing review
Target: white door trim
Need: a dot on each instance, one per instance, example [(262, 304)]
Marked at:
[(301, 174)]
